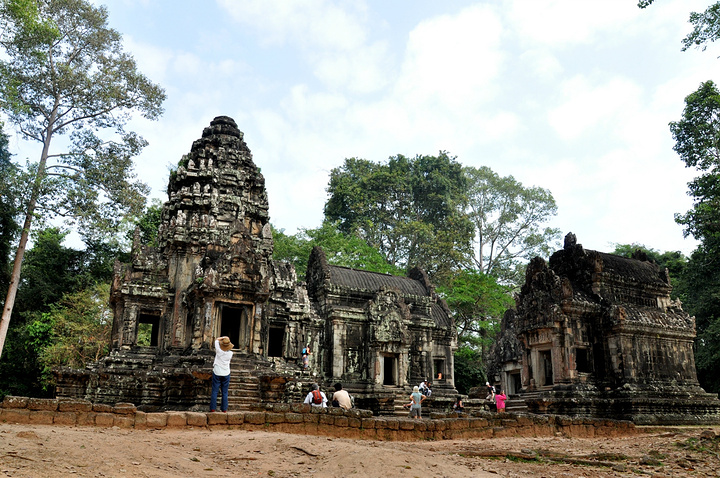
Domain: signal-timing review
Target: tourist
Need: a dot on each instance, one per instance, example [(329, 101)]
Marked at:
[(491, 392), (416, 399), (423, 387), (306, 357), (316, 397), (458, 405), (428, 389), (221, 372), (500, 401), (341, 398)]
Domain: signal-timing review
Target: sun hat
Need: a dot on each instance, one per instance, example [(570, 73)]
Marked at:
[(225, 344)]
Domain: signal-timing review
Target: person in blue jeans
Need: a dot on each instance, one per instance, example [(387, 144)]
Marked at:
[(221, 372)]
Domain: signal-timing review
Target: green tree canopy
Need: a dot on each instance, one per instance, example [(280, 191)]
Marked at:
[(410, 209), (508, 219), (64, 72), (340, 249)]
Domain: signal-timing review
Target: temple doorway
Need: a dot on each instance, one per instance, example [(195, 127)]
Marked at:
[(235, 324), (389, 369)]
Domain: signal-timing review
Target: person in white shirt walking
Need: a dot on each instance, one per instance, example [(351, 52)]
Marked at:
[(221, 373)]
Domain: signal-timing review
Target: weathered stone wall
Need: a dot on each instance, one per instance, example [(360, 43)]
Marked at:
[(303, 419)]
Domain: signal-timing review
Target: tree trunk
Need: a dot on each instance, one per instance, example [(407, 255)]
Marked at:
[(20, 253)]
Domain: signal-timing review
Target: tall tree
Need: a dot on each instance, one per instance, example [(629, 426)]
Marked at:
[(409, 209), (64, 72), (9, 198), (340, 249), (508, 219)]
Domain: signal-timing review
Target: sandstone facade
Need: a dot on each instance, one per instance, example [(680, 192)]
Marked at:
[(597, 335), (212, 274)]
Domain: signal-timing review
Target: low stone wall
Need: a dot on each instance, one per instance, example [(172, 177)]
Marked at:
[(303, 419)]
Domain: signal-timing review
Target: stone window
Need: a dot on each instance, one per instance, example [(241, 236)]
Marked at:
[(148, 326), (276, 339), (439, 369), (582, 361)]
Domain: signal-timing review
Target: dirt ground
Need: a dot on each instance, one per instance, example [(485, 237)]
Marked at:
[(53, 451)]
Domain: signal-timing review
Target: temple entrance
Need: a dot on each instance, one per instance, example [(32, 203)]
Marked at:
[(276, 337), (235, 323), (148, 330), (389, 369), (546, 370)]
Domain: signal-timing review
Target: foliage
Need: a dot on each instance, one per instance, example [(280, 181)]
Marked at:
[(79, 328), (697, 136), (340, 249), (51, 272), (508, 218), (478, 303), (64, 72), (9, 205), (469, 369), (707, 356), (706, 28), (410, 209), (149, 223)]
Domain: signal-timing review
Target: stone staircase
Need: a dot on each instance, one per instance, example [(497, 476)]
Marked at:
[(244, 390), (515, 404)]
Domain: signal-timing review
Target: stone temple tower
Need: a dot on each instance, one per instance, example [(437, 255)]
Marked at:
[(208, 276)]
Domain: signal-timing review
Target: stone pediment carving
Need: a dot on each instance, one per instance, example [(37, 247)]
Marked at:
[(389, 316)]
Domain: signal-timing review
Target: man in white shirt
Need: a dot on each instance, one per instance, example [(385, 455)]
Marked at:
[(316, 397)]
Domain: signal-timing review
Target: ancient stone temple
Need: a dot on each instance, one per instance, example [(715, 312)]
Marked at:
[(597, 335), (212, 274)]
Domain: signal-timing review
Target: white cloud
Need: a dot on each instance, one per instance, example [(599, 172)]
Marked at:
[(586, 106)]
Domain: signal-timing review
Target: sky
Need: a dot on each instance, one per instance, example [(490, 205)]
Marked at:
[(574, 96)]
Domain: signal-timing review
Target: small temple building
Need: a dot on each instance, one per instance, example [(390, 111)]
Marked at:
[(597, 335), (212, 274)]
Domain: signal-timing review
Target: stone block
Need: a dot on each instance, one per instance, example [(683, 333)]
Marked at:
[(104, 419), (281, 407), (124, 408), (42, 417), (255, 418), (15, 402), (369, 423), (420, 425), (217, 418), (74, 406), (477, 422), (336, 411), (327, 419), (140, 420), (300, 407), (65, 418), (85, 419), (15, 415), (293, 417), (408, 424), (440, 425), (274, 417), (155, 420), (341, 421), (311, 418), (196, 419), (176, 419), (102, 408), (50, 404), (124, 421), (392, 424), (354, 422), (236, 418)]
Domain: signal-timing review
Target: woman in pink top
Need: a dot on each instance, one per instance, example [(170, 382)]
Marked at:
[(500, 401)]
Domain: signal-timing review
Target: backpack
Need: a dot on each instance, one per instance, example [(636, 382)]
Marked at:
[(317, 397)]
